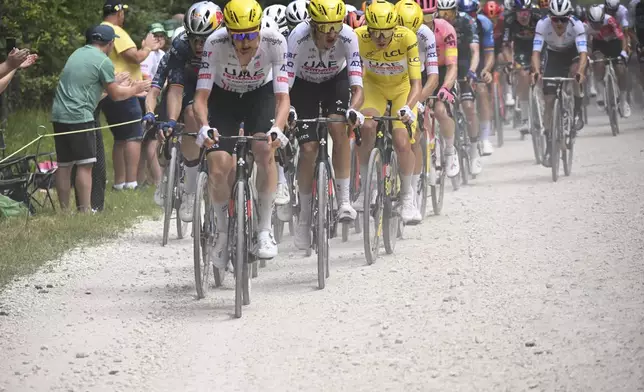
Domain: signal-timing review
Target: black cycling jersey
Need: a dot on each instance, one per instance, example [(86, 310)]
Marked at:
[(513, 30), (466, 34), (179, 65), (639, 22)]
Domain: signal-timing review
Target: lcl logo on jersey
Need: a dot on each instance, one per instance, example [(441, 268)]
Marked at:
[(392, 53)]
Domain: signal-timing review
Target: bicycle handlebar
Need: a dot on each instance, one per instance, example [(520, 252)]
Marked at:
[(391, 118)]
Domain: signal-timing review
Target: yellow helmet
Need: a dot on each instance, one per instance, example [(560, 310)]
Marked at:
[(410, 14), (381, 14), (325, 11), (242, 15)]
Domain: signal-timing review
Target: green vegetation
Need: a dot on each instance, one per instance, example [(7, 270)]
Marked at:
[(26, 244)]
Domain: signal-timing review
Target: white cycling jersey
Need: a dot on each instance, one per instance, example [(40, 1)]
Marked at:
[(622, 16), (575, 35), (631, 12), (307, 62), (221, 66), (427, 50)]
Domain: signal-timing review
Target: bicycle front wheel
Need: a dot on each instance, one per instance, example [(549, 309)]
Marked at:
[(201, 231), (611, 102), (535, 127), (373, 208), (555, 139), (423, 185), (323, 223), (238, 247), (391, 215), (182, 227), (168, 203), (498, 118), (438, 172)]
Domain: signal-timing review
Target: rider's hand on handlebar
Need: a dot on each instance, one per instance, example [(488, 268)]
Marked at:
[(445, 95), (471, 75), (421, 107), (486, 76), (279, 140), (355, 118), (580, 77), (406, 115), (165, 129), (292, 117), (204, 140), (148, 119), (624, 55), (534, 78)]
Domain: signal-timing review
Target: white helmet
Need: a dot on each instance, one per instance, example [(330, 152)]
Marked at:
[(269, 23), (508, 4), (612, 4), (203, 18), (296, 12), (560, 7), (350, 8), (277, 12), (595, 13), (446, 4)]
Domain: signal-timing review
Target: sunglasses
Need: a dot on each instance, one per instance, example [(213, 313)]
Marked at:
[(242, 36), (559, 19), (380, 34), (326, 28), (429, 18)]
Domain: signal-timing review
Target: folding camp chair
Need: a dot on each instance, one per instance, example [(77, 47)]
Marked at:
[(15, 177)]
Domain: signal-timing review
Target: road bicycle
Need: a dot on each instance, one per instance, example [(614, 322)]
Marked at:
[(461, 138), (611, 92), (498, 114), (535, 122), (355, 187), (173, 181), (432, 176), (382, 203), (562, 138), (324, 205)]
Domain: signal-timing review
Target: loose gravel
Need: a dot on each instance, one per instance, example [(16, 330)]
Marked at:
[(521, 284)]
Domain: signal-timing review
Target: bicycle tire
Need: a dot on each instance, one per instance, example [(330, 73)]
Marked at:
[(322, 223), (201, 239), (426, 167), (237, 244), (372, 244), (498, 120), (168, 203), (535, 129), (391, 210), (566, 152), (438, 189), (555, 140), (278, 227), (354, 189), (182, 226), (612, 107)]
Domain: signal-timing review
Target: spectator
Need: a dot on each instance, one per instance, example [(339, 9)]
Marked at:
[(149, 146), (17, 59), (86, 74), (126, 58)]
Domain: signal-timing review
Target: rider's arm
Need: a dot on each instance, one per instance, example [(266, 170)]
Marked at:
[(581, 41), (487, 40), (174, 101), (537, 46), (474, 47), (451, 60), (354, 69), (280, 83), (431, 67), (205, 81)]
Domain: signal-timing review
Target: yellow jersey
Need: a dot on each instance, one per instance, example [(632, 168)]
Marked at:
[(121, 44), (394, 65)]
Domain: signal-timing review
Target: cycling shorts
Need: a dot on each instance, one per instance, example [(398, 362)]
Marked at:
[(465, 88), (376, 97), (558, 65), (611, 48), (228, 109), (307, 97)]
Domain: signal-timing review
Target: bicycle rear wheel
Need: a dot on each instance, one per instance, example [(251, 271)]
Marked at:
[(170, 194), (323, 223), (373, 208), (423, 183), (391, 210), (182, 227), (438, 172), (201, 230), (498, 118), (555, 140), (611, 102)]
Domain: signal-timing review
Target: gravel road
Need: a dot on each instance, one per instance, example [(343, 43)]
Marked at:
[(521, 284)]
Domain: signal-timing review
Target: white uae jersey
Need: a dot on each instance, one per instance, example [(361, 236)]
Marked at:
[(574, 35), (427, 50), (621, 15), (221, 65)]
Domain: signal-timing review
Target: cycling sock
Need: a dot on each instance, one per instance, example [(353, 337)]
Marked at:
[(281, 178), (190, 179), (449, 143), (265, 207), (405, 185), (221, 214), (485, 130), (524, 109), (415, 178), (305, 207), (342, 185)]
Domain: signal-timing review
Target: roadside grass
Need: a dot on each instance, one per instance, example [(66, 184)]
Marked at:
[(27, 243)]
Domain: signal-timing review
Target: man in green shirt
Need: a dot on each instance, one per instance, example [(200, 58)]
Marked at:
[(87, 73)]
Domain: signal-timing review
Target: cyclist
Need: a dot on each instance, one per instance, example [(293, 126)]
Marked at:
[(296, 13), (520, 29), (410, 15), (180, 67), (580, 12), (468, 43), (617, 11), (607, 40), (243, 79), (544, 8), (392, 73), (277, 12), (447, 53), (565, 38), (324, 69), (495, 13), (485, 30)]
